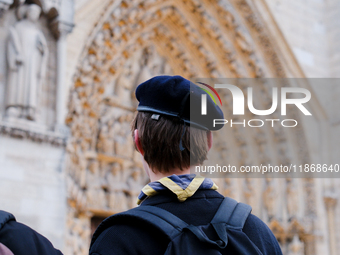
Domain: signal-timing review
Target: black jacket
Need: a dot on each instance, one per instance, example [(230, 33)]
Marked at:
[(196, 210), (21, 239)]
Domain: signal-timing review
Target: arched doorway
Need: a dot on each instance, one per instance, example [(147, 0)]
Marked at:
[(134, 41)]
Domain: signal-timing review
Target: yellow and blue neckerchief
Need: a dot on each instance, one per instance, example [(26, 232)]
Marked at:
[(183, 186)]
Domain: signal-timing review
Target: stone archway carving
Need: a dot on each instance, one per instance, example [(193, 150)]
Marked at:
[(136, 40)]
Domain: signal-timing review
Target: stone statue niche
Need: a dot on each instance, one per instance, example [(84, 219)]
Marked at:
[(27, 55)]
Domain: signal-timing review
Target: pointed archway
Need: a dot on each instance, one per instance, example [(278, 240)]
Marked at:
[(136, 40)]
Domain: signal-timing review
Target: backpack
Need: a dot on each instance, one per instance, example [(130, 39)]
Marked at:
[(189, 239), (4, 218), (21, 239)]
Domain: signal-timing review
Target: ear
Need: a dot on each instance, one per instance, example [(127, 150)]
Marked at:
[(137, 142), (209, 139)]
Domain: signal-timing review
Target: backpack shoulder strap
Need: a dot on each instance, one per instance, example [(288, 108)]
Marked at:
[(5, 217), (233, 213), (165, 219), (161, 219)]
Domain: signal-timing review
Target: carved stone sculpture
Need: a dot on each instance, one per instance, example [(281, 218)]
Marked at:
[(296, 247), (135, 185), (292, 198), (269, 198), (27, 54)]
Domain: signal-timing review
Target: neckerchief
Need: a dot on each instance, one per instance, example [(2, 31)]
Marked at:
[(183, 186)]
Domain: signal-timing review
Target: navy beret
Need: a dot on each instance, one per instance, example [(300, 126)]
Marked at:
[(176, 96)]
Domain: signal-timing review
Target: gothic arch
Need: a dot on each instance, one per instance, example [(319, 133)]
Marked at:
[(136, 40)]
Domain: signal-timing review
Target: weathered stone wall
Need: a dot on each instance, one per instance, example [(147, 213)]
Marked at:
[(32, 185), (312, 30), (32, 152)]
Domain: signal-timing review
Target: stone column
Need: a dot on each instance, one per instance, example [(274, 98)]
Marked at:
[(65, 26), (330, 202)]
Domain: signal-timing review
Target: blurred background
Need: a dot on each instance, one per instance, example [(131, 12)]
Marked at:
[(68, 71)]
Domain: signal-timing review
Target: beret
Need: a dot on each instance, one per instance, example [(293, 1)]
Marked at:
[(177, 96)]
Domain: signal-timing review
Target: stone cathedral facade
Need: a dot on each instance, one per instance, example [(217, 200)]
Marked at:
[(68, 71)]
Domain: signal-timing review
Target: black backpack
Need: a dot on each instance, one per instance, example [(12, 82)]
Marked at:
[(188, 239), (23, 240), (5, 217)]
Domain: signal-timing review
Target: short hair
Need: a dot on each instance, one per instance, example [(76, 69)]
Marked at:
[(160, 141)]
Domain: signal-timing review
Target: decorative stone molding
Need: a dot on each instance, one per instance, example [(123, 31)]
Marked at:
[(32, 133)]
